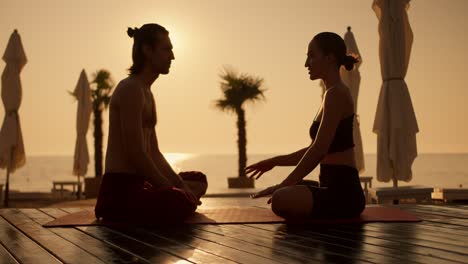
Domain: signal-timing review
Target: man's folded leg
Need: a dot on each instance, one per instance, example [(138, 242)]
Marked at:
[(196, 181)]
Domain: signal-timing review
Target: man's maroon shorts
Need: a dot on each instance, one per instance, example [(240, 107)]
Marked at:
[(129, 198)]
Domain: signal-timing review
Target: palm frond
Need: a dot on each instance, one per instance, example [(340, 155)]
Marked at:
[(102, 85), (224, 105), (239, 88), (72, 94)]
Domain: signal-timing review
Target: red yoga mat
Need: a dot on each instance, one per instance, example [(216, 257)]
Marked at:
[(246, 215)]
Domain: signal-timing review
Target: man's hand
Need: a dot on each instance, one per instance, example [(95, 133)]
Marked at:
[(192, 197)]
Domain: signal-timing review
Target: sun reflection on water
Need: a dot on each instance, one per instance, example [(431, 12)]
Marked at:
[(175, 158)]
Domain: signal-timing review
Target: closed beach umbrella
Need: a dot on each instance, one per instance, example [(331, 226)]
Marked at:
[(12, 155), (352, 79), (395, 121), (82, 93)]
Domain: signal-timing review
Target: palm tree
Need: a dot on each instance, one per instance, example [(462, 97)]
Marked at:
[(101, 88), (238, 89)]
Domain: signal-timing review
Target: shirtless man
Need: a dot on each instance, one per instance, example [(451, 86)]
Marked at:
[(139, 184)]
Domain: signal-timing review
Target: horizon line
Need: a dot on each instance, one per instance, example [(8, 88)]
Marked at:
[(222, 153)]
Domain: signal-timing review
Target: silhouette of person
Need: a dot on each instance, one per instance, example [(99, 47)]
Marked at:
[(339, 193), (139, 184)]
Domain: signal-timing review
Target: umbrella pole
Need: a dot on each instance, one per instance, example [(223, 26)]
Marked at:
[(7, 187), (395, 185), (79, 188), (7, 183)]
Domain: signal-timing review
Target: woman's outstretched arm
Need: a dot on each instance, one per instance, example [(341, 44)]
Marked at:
[(290, 159), (258, 169)]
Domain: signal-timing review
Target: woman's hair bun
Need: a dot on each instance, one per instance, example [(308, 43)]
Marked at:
[(349, 61), (131, 32)]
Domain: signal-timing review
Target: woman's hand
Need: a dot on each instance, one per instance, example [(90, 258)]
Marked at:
[(268, 191), (259, 168)]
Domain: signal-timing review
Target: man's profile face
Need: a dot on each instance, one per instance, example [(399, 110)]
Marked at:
[(161, 55)]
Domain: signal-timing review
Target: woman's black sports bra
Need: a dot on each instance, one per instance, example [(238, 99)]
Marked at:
[(343, 139)]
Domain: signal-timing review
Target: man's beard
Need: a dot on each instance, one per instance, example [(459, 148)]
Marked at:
[(161, 69)]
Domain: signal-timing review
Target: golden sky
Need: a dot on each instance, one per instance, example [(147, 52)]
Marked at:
[(267, 38)]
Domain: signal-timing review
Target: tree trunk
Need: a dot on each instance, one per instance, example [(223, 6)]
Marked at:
[(241, 141), (97, 140)]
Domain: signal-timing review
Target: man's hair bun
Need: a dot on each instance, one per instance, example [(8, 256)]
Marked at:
[(131, 32)]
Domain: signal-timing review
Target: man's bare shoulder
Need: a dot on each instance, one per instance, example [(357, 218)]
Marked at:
[(127, 89)]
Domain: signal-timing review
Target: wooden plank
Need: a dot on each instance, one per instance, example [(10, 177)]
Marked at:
[(49, 214), (5, 256), (301, 249), (131, 245), (173, 247), (439, 218), (179, 250), (427, 232), (361, 240), (391, 232), (356, 245), (59, 247), (451, 221), (22, 247), (452, 229), (195, 238), (425, 215), (276, 256), (101, 250), (456, 211), (71, 210), (290, 251), (229, 243), (441, 212), (412, 246), (462, 206)]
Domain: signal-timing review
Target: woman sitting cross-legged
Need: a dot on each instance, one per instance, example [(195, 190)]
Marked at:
[(339, 193)]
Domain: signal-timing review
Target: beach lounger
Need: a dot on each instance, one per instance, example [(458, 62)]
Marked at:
[(419, 193), (77, 187), (450, 194)]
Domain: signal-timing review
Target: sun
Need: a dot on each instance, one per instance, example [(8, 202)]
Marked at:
[(177, 26), (176, 37)]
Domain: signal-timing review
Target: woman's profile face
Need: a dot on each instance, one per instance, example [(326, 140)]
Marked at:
[(315, 61)]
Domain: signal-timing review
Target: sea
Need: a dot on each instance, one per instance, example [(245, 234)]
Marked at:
[(433, 170)]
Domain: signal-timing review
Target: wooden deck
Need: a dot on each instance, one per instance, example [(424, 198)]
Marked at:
[(441, 238)]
